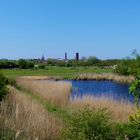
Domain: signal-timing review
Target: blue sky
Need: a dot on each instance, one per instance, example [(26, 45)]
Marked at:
[(102, 28)]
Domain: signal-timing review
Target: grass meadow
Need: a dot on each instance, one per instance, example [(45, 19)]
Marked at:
[(64, 72)]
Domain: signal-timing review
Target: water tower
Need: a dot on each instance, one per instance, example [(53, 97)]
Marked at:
[(77, 56)]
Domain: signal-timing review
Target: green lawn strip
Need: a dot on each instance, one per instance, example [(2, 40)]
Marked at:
[(63, 72), (58, 111)]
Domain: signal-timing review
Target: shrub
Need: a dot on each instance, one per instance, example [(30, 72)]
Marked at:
[(135, 90), (41, 67), (133, 127), (3, 88), (89, 125), (123, 68)]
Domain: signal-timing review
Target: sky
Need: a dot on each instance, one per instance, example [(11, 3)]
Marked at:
[(102, 28)]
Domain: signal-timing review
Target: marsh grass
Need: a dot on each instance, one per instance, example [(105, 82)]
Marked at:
[(105, 76), (120, 111), (23, 118), (56, 92)]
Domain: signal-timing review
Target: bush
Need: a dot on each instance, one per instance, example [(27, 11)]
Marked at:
[(30, 65), (22, 64), (41, 67), (3, 88), (123, 68), (135, 90), (133, 127), (89, 125)]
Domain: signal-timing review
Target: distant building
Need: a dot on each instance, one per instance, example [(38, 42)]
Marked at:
[(43, 58), (66, 56), (77, 56)]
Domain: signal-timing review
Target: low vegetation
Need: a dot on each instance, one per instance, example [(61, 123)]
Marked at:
[(23, 118), (35, 109), (96, 125), (105, 76), (89, 125), (42, 63), (120, 111), (58, 94), (55, 92), (129, 66)]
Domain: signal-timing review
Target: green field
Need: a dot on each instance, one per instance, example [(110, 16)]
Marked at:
[(64, 72)]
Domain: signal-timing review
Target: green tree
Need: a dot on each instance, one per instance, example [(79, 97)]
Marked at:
[(22, 64), (123, 67), (92, 60), (30, 65), (132, 129), (135, 90)]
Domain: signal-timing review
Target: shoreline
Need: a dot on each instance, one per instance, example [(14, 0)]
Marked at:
[(86, 77), (105, 77)]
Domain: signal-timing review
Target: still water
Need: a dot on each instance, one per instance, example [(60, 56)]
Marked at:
[(108, 89)]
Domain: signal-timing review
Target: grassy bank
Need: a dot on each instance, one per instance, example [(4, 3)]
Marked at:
[(77, 73), (21, 117)]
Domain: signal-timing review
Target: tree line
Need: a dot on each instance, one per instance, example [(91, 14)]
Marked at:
[(27, 64), (127, 66)]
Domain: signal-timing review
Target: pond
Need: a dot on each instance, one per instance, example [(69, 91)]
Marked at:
[(108, 89)]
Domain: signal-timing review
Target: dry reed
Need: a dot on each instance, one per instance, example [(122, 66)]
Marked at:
[(105, 76), (22, 118), (57, 92), (120, 111)]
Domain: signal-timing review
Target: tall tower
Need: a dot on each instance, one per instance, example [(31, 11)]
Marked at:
[(77, 56), (66, 56), (43, 58)]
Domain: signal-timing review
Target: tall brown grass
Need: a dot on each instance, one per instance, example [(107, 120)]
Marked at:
[(22, 118), (57, 92), (105, 76), (120, 111)]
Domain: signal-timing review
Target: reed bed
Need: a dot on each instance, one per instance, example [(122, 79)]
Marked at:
[(119, 111), (105, 76), (56, 78), (22, 118), (35, 77), (56, 92)]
